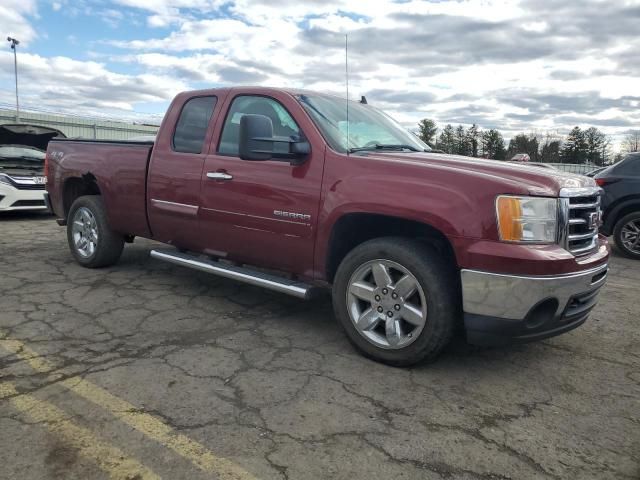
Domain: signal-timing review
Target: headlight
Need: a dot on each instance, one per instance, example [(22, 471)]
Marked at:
[(527, 219), (4, 179)]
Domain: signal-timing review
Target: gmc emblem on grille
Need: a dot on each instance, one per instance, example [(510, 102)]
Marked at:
[(594, 220)]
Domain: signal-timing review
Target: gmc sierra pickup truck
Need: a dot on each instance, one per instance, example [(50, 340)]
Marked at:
[(292, 191)]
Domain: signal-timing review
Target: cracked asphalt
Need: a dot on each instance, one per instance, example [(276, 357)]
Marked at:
[(146, 370)]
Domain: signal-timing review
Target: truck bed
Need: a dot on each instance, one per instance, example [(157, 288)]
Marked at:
[(119, 168)]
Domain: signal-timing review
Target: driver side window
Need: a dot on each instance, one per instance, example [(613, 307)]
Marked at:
[(283, 123)]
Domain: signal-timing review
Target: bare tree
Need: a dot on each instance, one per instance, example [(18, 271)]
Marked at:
[(632, 142), (607, 150)]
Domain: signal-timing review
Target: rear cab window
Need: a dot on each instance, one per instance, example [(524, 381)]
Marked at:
[(193, 123)]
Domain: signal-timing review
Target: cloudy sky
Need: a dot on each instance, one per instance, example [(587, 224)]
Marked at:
[(514, 65)]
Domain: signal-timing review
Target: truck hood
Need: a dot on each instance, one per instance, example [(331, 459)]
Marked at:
[(520, 179)]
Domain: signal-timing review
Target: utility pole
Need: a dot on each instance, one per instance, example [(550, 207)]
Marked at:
[(14, 45)]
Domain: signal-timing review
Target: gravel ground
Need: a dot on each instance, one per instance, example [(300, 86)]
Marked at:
[(145, 370)]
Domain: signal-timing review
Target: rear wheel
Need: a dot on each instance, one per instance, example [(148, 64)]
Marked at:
[(92, 242), (397, 300), (627, 235)]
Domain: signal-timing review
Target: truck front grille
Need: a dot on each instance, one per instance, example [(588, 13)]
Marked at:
[(582, 212)]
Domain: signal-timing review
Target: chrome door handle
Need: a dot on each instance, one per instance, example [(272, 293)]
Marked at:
[(219, 175)]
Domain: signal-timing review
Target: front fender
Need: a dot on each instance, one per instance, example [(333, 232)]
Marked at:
[(447, 209)]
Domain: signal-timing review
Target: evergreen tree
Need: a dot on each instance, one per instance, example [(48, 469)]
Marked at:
[(574, 149), (473, 136), (523, 143), (594, 143), (446, 143), (493, 144), (427, 130), (461, 141), (550, 152)]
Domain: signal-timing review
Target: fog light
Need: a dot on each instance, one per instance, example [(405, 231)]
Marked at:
[(542, 313)]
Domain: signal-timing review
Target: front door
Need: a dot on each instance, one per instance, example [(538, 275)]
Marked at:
[(261, 212)]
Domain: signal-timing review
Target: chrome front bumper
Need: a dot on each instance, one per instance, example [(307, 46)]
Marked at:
[(512, 296), (502, 308)]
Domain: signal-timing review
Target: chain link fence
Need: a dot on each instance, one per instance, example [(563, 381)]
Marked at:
[(581, 168)]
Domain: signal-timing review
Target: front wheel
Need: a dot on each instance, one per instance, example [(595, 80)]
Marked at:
[(92, 242), (626, 234), (398, 300)]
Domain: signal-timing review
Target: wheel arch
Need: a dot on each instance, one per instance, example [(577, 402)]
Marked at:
[(618, 210), (78, 186), (353, 229)]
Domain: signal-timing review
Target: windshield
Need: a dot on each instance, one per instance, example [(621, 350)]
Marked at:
[(9, 152), (368, 129)]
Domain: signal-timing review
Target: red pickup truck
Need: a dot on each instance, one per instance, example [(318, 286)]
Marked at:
[(286, 190)]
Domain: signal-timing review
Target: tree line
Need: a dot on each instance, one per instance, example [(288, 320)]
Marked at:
[(471, 141), (581, 145)]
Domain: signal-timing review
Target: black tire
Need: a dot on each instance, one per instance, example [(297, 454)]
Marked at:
[(439, 281), (617, 235), (109, 244)]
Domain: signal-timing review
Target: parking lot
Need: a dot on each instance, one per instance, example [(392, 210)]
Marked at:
[(145, 370)]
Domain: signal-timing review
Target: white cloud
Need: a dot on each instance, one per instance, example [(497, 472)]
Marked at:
[(76, 86), (515, 65), (14, 20)]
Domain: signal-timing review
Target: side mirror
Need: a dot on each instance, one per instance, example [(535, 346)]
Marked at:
[(256, 141), (255, 132)]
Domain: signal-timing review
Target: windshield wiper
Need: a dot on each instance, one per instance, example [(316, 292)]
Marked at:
[(386, 146)]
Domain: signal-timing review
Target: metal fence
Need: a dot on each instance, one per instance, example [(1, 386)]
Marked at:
[(581, 168), (77, 127)]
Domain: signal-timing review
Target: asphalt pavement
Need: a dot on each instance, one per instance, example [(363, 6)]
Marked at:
[(145, 370)]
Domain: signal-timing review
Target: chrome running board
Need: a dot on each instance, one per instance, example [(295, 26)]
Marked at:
[(241, 274)]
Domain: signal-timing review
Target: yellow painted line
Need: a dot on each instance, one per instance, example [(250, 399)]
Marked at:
[(149, 425), (108, 458)]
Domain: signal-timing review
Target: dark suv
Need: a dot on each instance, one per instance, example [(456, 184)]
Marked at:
[(621, 203)]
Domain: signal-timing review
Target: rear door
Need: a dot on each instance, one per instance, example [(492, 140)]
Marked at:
[(175, 172), (262, 212)]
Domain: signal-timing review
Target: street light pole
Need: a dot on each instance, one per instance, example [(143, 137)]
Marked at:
[(14, 45)]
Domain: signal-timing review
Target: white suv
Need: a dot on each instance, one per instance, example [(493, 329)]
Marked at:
[(22, 153)]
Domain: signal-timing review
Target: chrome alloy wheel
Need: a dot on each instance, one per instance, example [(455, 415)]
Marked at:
[(386, 304), (630, 236), (84, 231)]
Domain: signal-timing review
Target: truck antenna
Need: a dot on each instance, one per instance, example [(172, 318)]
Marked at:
[(346, 71)]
